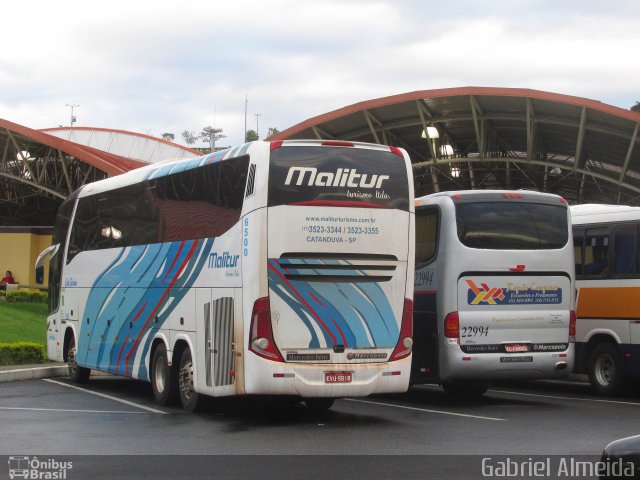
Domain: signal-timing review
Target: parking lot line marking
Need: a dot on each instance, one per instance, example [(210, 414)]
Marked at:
[(104, 395), (600, 400), (441, 412), (72, 410)]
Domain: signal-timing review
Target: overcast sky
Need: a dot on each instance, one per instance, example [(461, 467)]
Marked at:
[(166, 66)]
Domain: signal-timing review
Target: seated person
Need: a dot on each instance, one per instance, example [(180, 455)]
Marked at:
[(8, 279)]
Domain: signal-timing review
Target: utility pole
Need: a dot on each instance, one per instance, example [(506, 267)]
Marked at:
[(72, 106), (257, 115), (246, 102)]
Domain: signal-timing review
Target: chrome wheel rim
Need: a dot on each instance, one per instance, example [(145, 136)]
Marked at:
[(160, 372), (71, 359), (605, 370)]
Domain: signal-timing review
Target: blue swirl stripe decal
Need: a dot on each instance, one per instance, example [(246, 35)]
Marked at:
[(354, 314), (144, 283)]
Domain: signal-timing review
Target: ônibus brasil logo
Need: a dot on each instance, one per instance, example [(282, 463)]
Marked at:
[(342, 177), (34, 468)]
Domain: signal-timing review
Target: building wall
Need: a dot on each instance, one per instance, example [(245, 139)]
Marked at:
[(19, 249)]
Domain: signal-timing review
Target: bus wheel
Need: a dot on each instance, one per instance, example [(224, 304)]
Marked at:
[(191, 400), (164, 379), (319, 405), (605, 370), (465, 390), (76, 373)]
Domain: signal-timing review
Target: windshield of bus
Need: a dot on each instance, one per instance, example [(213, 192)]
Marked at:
[(512, 225), (341, 176)]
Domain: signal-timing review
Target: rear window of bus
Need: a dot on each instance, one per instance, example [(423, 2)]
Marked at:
[(324, 175), (512, 225)]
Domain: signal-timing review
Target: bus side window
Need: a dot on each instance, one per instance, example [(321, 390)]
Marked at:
[(578, 249), (638, 250), (426, 235), (624, 249), (596, 252)]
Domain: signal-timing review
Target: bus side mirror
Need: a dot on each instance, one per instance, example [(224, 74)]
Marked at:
[(40, 275), (51, 251)]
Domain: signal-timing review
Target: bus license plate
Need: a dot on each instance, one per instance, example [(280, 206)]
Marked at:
[(516, 359), (337, 377)]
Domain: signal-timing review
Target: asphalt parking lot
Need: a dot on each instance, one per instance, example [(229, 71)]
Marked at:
[(97, 418), (116, 416)]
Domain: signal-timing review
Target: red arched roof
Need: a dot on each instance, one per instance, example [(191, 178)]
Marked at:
[(124, 132), (107, 162), (454, 92), (582, 149)]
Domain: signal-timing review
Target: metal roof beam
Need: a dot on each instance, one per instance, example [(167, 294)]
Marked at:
[(65, 170), (543, 163), (19, 155), (476, 112), (368, 117), (627, 158), (33, 184), (580, 141), (530, 129), (434, 175), (430, 141), (322, 134)]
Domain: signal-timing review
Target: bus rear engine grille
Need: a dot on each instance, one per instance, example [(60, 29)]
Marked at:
[(338, 268)]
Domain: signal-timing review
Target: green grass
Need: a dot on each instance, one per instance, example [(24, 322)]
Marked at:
[(23, 322)]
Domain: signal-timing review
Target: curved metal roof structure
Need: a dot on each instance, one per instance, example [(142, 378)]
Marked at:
[(510, 138), (136, 146), (38, 171)]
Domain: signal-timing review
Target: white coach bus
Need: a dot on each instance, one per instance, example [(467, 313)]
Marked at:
[(274, 268), (494, 289), (608, 280)]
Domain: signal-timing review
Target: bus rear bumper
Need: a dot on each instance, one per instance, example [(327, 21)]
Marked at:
[(264, 377), (501, 366)]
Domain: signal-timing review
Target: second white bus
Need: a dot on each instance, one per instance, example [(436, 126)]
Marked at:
[(494, 289), (606, 239), (274, 268)]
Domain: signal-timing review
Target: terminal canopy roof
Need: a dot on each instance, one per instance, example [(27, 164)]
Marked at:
[(38, 171), (481, 138)]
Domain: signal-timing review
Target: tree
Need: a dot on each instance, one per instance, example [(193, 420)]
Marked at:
[(169, 137), (636, 107), (189, 137), (250, 136), (272, 131), (210, 135)]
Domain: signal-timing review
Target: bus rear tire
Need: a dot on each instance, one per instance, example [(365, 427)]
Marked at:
[(320, 404), (605, 370), (77, 373), (465, 390), (191, 400), (164, 378)]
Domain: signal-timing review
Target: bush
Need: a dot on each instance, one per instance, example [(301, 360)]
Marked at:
[(20, 353), (27, 296)]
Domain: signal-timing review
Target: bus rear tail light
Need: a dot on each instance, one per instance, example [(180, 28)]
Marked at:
[(276, 144), (395, 151), (261, 338), (405, 342), (452, 325), (572, 326)]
